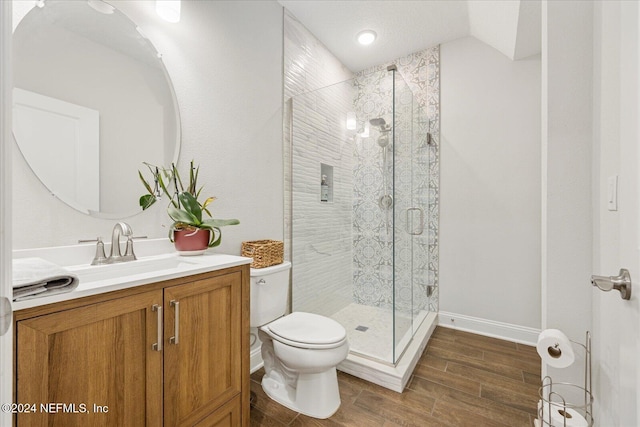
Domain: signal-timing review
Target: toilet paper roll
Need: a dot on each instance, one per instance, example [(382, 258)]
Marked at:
[(555, 348), (562, 417)]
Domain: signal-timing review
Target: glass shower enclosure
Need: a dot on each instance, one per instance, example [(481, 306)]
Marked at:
[(360, 157)]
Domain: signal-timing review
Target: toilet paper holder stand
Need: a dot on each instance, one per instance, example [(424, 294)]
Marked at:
[(552, 396)]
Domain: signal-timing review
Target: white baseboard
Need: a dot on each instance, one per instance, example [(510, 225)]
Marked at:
[(256, 359), (489, 328)]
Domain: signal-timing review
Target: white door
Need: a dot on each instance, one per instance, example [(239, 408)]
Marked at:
[(628, 322), (616, 321)]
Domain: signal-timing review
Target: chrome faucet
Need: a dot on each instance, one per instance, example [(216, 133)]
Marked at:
[(121, 228)]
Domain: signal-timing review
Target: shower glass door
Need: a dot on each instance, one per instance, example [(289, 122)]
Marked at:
[(410, 212), (358, 160)]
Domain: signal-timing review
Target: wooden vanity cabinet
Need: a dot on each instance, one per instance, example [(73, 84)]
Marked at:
[(103, 351), (96, 354), (203, 369)]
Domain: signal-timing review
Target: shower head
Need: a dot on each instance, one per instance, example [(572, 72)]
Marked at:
[(384, 128), (379, 122)]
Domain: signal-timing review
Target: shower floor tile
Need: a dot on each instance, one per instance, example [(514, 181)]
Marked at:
[(370, 330)]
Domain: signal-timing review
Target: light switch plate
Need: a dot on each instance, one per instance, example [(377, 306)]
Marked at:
[(612, 193)]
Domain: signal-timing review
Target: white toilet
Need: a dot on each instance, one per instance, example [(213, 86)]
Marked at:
[(300, 350)]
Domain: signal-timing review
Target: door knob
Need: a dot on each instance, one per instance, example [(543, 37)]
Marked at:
[(621, 282)]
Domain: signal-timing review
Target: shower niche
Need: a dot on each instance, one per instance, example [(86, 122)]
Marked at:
[(326, 183)]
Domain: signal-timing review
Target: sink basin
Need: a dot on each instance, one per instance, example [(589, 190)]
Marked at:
[(149, 265), (157, 261)]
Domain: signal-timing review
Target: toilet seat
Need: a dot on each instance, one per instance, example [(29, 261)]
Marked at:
[(307, 330)]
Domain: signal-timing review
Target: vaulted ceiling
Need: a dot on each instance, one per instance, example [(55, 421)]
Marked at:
[(406, 26)]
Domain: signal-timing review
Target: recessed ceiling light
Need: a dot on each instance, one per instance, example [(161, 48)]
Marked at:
[(366, 37), (169, 10)]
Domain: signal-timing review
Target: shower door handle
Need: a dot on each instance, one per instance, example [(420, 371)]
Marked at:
[(412, 231)]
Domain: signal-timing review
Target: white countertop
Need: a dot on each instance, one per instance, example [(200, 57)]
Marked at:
[(157, 261)]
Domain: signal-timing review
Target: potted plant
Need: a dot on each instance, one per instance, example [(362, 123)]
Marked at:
[(191, 233)]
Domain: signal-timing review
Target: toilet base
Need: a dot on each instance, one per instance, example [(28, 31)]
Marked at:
[(316, 395)]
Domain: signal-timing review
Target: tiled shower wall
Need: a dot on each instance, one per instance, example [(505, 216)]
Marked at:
[(416, 162), (322, 266), (332, 265)]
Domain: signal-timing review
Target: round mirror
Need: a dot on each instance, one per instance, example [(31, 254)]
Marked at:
[(92, 102)]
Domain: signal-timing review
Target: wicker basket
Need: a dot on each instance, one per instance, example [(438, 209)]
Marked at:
[(264, 252)]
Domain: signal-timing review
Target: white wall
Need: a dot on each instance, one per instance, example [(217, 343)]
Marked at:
[(490, 187), (567, 46), (229, 91)]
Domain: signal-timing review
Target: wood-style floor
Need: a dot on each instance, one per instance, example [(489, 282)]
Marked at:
[(462, 379)]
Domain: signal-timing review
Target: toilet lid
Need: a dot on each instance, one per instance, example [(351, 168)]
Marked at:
[(308, 328)]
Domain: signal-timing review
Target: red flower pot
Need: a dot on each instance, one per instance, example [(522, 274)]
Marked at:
[(191, 240)]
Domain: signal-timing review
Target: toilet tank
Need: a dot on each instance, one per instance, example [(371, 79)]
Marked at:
[(269, 293)]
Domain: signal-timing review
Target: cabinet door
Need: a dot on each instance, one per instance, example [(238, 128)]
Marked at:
[(92, 366), (203, 369), (227, 416)]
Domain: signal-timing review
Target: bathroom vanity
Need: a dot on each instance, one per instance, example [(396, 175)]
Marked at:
[(168, 352)]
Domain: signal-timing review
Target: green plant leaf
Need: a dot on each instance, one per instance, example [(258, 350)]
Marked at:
[(214, 223), (164, 189), (191, 205), (167, 174), (195, 182), (193, 177), (180, 215), (176, 178), (215, 231), (147, 200), (207, 202), (145, 183), (217, 241)]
